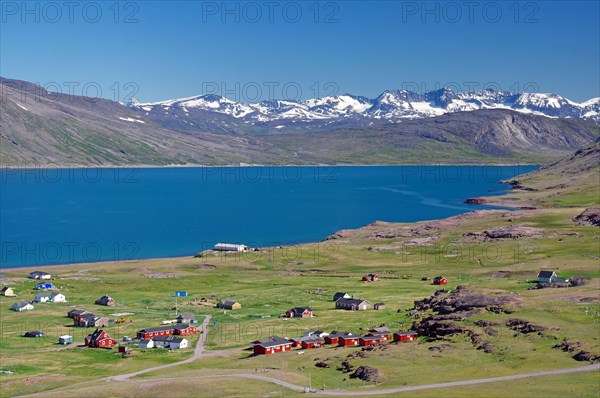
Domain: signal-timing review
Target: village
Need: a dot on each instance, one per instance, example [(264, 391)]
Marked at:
[(345, 322), (172, 334)]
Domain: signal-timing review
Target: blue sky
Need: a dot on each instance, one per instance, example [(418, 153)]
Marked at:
[(248, 51)]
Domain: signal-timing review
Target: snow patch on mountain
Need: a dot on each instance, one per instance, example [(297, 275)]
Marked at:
[(390, 106)]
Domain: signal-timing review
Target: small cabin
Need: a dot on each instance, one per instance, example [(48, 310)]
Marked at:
[(370, 278), (34, 333), (106, 301), (146, 343), (39, 275), (348, 341), (99, 339), (8, 291), (44, 286), (66, 339), (379, 306), (299, 312), (231, 247), (22, 306), (340, 295), (334, 337), (271, 345), (440, 280), (404, 337), (229, 304), (550, 277), (352, 304)]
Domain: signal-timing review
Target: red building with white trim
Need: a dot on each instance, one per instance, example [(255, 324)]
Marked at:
[(406, 336), (99, 339), (271, 345), (348, 341), (149, 333)]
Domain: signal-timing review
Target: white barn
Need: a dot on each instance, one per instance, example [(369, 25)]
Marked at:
[(230, 247)]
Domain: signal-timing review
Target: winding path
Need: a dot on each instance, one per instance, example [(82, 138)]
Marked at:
[(295, 387), (198, 351)]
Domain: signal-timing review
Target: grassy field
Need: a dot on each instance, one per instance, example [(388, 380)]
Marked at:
[(270, 282)]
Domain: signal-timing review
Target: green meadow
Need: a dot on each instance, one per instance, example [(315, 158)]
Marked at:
[(269, 282)]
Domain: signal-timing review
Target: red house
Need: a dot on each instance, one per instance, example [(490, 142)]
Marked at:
[(382, 332), (271, 345), (370, 278), (440, 280), (406, 336), (299, 312), (348, 341), (99, 339), (313, 343), (333, 337), (370, 340), (155, 332), (183, 329)]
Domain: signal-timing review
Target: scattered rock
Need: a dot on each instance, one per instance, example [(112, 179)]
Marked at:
[(322, 364), (366, 373), (514, 232), (476, 201), (487, 347), (568, 346), (346, 367), (440, 347), (205, 266), (586, 356), (483, 323), (345, 233), (158, 275), (579, 280), (425, 241), (491, 332), (523, 326), (589, 217), (501, 274)]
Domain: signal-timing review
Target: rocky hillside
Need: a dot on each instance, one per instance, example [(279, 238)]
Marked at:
[(572, 181), (42, 128)]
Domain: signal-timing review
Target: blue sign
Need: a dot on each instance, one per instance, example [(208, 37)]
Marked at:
[(180, 294)]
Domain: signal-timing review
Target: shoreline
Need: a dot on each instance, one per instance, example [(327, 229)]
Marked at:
[(53, 166), (30, 268), (497, 202)]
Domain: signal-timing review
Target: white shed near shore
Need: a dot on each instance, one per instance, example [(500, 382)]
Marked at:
[(230, 247)]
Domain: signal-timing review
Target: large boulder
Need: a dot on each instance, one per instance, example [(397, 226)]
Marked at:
[(590, 216)]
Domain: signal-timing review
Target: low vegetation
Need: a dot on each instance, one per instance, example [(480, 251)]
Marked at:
[(487, 321)]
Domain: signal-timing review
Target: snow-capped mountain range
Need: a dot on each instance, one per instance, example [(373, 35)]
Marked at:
[(390, 106)]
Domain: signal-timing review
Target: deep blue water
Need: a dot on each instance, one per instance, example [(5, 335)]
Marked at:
[(50, 216)]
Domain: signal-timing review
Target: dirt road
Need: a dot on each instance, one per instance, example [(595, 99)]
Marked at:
[(198, 351)]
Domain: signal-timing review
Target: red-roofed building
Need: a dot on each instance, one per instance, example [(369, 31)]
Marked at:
[(406, 336), (99, 339)]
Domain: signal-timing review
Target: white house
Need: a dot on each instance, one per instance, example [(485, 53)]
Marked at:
[(230, 247), (39, 275), (550, 277), (178, 342), (53, 297), (22, 306), (146, 343), (57, 297)]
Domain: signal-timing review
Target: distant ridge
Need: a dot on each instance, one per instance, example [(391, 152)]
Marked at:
[(73, 130)]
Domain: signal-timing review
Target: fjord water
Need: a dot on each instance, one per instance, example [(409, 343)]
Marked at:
[(61, 216)]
